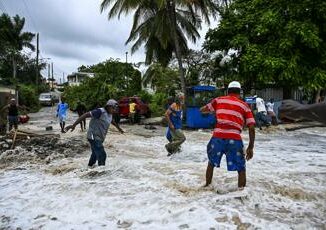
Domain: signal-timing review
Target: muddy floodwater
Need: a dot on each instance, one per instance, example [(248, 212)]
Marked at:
[(141, 188)]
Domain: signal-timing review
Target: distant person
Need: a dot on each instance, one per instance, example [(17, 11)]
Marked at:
[(169, 102), (132, 111), (99, 124), (62, 113), (13, 112), (231, 115), (261, 115), (81, 109), (270, 111), (174, 118)]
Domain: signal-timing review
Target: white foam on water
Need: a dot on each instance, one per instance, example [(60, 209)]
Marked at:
[(142, 188)]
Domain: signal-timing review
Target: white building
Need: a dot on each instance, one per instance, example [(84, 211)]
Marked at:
[(76, 78)]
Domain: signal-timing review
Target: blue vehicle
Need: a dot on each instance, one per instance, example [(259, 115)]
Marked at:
[(198, 96)]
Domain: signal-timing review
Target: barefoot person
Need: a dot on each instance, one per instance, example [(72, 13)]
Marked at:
[(101, 119), (62, 113), (174, 117), (231, 114)]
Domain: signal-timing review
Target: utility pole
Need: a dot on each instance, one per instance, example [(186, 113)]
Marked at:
[(14, 66), (49, 69), (52, 79), (126, 69), (37, 53)]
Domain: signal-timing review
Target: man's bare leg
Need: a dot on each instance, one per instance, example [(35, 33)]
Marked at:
[(241, 179), (209, 174)]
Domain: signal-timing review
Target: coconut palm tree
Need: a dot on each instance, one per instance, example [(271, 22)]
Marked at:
[(13, 35), (14, 39), (163, 26)]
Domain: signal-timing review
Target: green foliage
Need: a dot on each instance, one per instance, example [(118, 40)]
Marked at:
[(163, 26), (28, 96), (12, 42), (145, 96), (154, 21), (157, 106), (278, 42), (162, 79), (113, 79)]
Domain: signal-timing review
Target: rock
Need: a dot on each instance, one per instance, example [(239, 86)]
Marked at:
[(153, 121), (124, 224), (151, 127), (48, 128), (183, 226)]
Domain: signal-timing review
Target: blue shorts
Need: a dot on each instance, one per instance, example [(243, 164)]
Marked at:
[(233, 149), (13, 120)]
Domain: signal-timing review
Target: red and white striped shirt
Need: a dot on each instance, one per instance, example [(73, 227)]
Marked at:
[(231, 115)]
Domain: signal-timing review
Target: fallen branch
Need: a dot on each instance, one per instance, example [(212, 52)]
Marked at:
[(304, 127)]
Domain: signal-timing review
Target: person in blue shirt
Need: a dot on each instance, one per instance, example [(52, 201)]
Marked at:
[(174, 117), (99, 124), (62, 113)]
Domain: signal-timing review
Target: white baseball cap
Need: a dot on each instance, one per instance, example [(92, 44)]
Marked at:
[(234, 84), (112, 102)]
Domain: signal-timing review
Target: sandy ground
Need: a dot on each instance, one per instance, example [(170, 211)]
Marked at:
[(142, 188)]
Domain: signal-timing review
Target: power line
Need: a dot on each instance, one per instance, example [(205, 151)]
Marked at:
[(30, 15), (3, 7)]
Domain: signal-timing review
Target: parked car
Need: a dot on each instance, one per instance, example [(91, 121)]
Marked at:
[(141, 107), (48, 99)]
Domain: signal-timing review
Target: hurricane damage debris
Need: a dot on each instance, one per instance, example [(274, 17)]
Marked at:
[(30, 147)]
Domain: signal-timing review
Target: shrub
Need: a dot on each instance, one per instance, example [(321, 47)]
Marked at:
[(158, 104), (145, 96), (28, 96)]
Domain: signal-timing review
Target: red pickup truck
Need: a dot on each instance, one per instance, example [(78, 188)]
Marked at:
[(141, 107)]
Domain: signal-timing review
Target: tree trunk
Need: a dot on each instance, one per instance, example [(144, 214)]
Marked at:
[(317, 96), (173, 20)]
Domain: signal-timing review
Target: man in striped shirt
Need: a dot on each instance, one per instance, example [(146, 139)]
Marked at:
[(231, 115)]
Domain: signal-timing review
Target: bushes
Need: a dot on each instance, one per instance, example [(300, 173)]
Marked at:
[(28, 96), (145, 96), (93, 93), (158, 104)]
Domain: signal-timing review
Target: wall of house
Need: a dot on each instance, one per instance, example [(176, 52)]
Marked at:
[(269, 93), (277, 94)]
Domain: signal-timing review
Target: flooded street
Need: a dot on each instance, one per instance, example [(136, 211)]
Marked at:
[(142, 188)]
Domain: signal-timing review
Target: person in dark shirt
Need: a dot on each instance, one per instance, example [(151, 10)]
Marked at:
[(12, 108), (81, 109)]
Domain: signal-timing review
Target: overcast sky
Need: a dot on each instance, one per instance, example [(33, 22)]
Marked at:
[(75, 33)]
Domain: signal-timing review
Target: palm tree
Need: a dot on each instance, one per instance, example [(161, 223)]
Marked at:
[(14, 38), (163, 26), (12, 33)]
